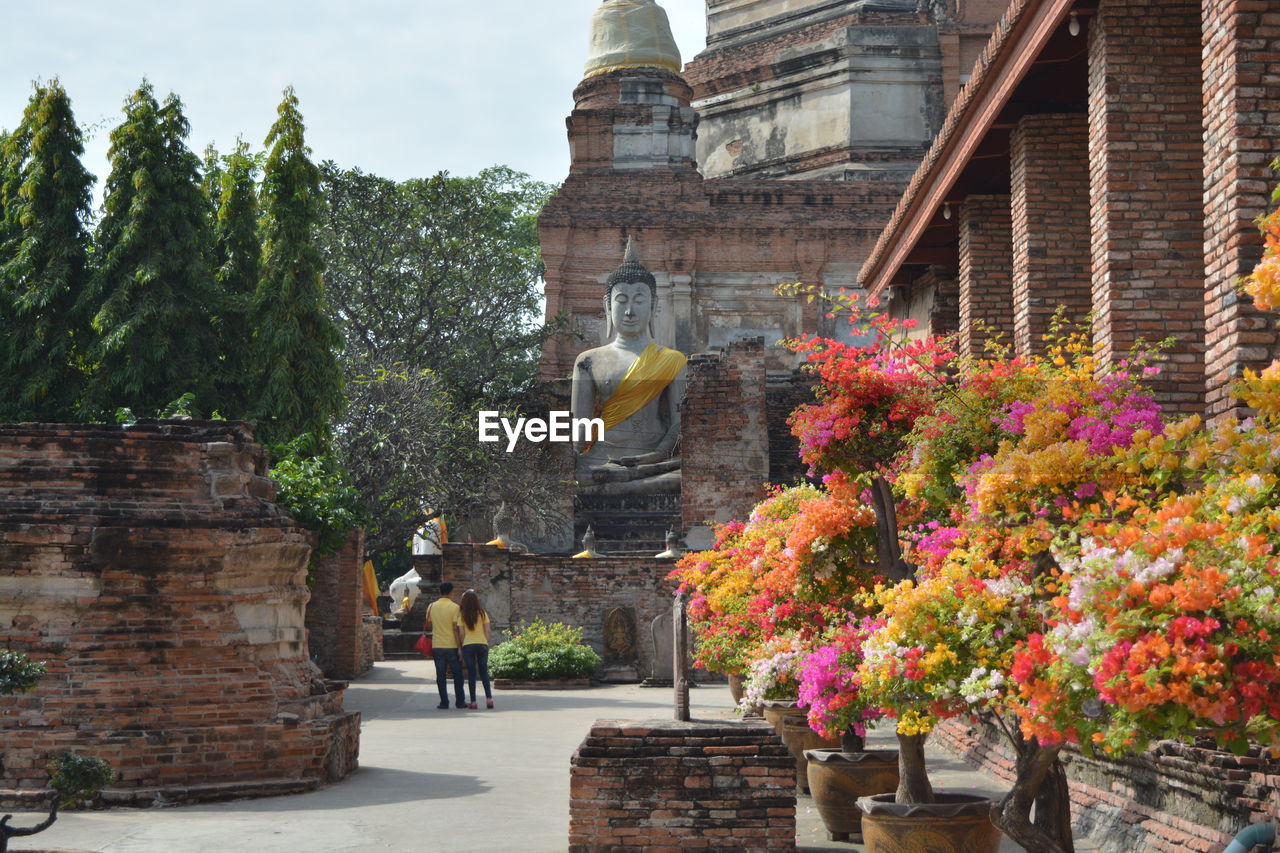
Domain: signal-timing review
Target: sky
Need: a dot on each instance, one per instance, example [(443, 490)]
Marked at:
[(399, 88)]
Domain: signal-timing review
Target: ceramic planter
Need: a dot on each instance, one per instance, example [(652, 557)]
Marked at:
[(956, 823), (775, 709), (799, 738), (735, 688), (838, 778)]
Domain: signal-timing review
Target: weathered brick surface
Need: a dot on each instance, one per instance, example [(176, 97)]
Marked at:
[(986, 272), (944, 311), (517, 588), (1049, 209), (151, 571), (724, 447), (1240, 43), (655, 785), (343, 634), (784, 394), (1172, 799), (1146, 189)]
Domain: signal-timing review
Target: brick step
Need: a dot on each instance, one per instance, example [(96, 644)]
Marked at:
[(627, 503)]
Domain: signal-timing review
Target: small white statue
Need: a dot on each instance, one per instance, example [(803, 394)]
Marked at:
[(405, 586), (428, 539)]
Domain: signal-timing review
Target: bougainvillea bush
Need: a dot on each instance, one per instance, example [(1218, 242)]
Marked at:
[(797, 565)]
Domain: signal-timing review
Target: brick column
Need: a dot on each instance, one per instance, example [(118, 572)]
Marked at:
[(1049, 208), (334, 615), (1240, 40), (986, 272), (723, 434), (1146, 188)]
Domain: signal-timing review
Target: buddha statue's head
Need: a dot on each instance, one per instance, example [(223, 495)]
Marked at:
[(629, 294)]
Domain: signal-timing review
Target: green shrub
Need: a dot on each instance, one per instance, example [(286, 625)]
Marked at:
[(509, 660), (78, 778), (542, 650)]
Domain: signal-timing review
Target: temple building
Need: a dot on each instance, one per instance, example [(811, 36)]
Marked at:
[(776, 156), (1112, 161)]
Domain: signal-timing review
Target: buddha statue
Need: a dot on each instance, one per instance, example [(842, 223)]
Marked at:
[(635, 386)]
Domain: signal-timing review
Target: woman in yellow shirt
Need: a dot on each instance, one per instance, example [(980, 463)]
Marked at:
[(471, 627)]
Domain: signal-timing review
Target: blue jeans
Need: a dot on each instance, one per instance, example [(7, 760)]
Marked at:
[(447, 659), (477, 655)]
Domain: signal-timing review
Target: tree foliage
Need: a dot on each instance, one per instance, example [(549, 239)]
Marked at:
[(44, 207), (300, 385), (433, 283), (17, 673), (237, 265), (315, 490), (152, 283)]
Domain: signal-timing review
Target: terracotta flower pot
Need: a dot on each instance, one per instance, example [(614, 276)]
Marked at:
[(838, 778), (735, 688), (956, 823), (799, 738), (775, 709)]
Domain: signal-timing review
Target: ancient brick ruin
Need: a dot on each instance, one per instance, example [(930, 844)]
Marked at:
[(344, 635), (148, 567), (557, 588), (650, 786)]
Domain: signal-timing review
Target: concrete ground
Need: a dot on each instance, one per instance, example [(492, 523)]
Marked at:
[(455, 781)]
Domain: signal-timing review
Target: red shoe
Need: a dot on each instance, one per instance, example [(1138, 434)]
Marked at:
[(488, 703), (473, 706)]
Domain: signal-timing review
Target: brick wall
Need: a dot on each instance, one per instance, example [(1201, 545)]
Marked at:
[(1049, 208), (664, 787), (1147, 175), (783, 395), (724, 448), (986, 272), (517, 588), (151, 571), (1175, 798), (342, 636), (1240, 40)]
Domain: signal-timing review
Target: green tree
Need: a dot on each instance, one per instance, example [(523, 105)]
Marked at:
[(238, 260), (295, 342), (211, 175), (45, 196), (434, 284), (152, 285)]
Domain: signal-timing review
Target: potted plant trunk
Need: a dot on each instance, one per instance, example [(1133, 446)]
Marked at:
[(914, 817)]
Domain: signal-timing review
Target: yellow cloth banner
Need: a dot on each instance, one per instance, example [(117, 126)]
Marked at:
[(371, 586), (643, 381)]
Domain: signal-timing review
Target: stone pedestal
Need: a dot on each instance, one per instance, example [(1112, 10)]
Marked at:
[(734, 783)]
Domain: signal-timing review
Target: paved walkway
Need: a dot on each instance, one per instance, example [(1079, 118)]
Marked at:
[(429, 780)]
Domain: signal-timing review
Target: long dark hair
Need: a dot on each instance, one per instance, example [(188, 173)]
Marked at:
[(472, 610)]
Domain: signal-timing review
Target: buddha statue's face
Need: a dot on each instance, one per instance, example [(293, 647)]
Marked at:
[(630, 306)]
